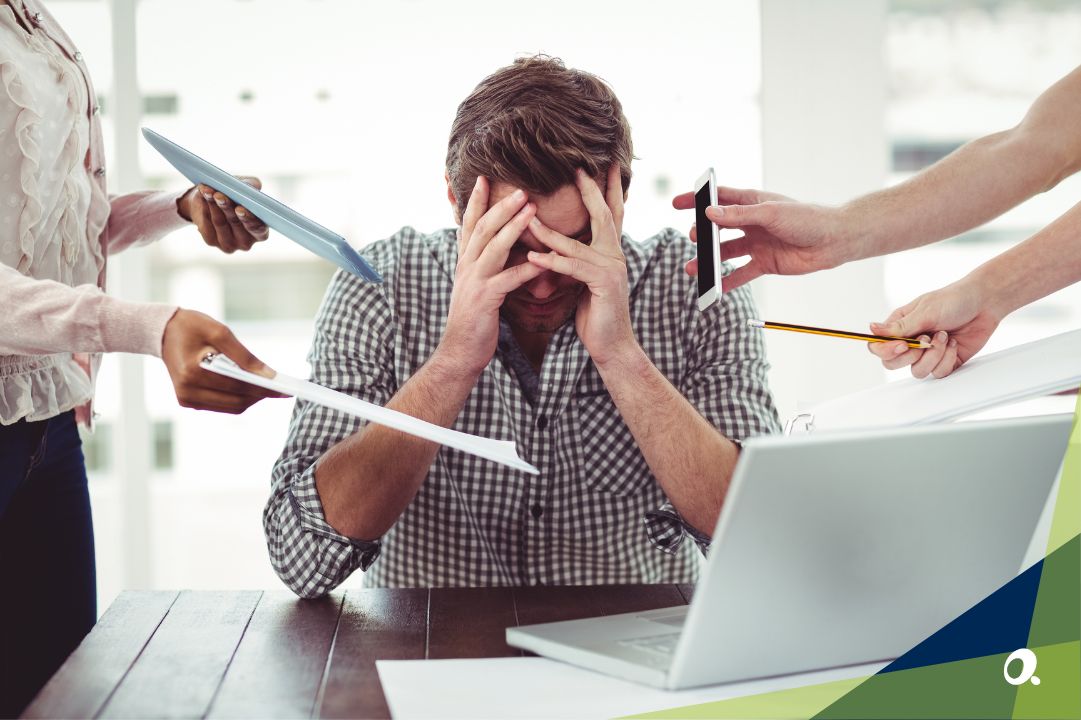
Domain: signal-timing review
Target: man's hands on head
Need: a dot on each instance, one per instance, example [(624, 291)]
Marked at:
[(481, 280), (781, 236), (603, 316)]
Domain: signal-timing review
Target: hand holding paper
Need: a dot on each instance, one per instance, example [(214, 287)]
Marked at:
[(500, 451)]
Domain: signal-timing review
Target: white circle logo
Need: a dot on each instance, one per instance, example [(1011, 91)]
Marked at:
[(1028, 667)]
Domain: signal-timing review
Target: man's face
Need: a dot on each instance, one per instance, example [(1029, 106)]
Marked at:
[(548, 301)]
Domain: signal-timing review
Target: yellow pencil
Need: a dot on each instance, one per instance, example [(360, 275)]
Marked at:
[(863, 337)]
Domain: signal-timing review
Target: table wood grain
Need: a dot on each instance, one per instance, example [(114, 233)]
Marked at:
[(195, 654)]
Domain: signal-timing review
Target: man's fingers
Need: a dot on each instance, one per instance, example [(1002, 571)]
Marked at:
[(514, 277), (475, 208), (251, 180), (556, 241), (491, 223), (691, 268), (614, 193), (600, 215), (740, 276), (571, 267), (494, 255)]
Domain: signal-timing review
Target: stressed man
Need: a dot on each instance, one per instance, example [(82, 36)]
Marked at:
[(535, 320)]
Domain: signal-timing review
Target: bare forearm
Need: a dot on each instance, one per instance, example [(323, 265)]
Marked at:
[(366, 481), (978, 182), (1048, 261), (691, 460)]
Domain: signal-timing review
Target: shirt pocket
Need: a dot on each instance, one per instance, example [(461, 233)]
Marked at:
[(609, 460)]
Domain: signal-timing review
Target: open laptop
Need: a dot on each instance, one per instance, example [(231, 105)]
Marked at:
[(836, 549)]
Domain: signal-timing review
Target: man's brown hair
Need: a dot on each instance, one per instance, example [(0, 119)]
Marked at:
[(532, 124)]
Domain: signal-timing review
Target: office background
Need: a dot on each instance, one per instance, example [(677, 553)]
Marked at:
[(343, 107)]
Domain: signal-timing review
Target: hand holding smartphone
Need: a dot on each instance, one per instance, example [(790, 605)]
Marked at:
[(709, 241)]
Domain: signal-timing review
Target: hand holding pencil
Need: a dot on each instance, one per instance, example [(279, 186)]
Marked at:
[(934, 334), (957, 320)]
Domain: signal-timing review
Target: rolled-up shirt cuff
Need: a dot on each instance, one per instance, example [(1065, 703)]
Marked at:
[(666, 529), (349, 554)]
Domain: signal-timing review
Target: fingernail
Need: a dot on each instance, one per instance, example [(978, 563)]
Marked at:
[(519, 194), (953, 342), (899, 349), (534, 222), (207, 196), (241, 212), (940, 337), (717, 209)]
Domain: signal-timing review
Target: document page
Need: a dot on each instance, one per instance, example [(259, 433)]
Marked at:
[(504, 452), (1031, 370)]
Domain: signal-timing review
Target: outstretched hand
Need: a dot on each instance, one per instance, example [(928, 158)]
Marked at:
[(781, 236)]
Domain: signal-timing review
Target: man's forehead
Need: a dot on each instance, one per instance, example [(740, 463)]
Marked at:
[(563, 210)]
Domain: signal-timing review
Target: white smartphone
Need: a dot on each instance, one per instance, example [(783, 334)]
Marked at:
[(709, 241)]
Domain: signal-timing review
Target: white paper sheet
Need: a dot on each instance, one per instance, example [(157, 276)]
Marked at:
[(1018, 373), (529, 687), (504, 452)]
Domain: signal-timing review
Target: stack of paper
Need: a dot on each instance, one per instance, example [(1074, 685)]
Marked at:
[(1037, 368)]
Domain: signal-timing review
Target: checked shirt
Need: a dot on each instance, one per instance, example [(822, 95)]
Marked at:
[(594, 515)]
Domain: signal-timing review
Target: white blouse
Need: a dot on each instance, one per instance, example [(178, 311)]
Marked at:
[(57, 225)]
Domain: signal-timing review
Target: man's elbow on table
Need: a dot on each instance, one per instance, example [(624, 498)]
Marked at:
[(305, 552)]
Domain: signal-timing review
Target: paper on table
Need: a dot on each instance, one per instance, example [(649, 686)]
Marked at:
[(500, 451), (541, 688), (1037, 368)]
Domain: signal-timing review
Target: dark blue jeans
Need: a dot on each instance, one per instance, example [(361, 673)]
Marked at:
[(48, 594)]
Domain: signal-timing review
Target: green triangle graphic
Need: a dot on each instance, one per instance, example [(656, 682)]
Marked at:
[(801, 702), (1066, 522)]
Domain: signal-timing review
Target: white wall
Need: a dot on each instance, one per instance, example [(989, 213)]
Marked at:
[(823, 140)]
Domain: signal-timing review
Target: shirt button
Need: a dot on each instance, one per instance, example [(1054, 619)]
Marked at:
[(96, 110), (536, 511), (542, 422), (100, 172), (78, 56), (37, 18)]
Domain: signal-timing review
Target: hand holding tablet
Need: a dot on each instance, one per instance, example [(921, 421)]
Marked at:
[(276, 215)]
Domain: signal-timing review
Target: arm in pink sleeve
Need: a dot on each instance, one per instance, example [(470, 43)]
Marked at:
[(43, 316), (141, 218)]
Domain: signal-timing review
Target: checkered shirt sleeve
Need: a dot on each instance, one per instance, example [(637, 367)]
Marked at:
[(726, 382), (353, 340)]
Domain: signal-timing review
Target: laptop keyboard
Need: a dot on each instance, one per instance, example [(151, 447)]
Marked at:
[(660, 644)]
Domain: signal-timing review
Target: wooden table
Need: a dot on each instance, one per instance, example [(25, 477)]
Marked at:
[(267, 654)]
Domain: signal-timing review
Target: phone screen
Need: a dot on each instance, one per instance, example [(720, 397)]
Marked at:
[(704, 230)]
